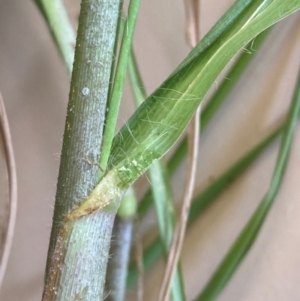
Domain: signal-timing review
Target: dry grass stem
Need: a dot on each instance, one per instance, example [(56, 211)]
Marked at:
[(192, 37), (12, 179)]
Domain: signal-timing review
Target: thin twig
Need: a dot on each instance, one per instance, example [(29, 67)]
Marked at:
[(192, 36), (12, 178)]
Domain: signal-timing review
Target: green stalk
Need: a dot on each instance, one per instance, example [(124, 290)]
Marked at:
[(161, 189), (119, 29), (60, 29), (115, 286), (138, 151), (205, 198), (78, 250), (118, 85), (211, 108), (117, 267), (247, 237), (159, 121)]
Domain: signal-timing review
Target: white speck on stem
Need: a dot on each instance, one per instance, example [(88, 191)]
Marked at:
[(85, 91)]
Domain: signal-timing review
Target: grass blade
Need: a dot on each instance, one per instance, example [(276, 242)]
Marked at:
[(166, 220), (161, 190), (211, 108), (160, 120), (205, 198), (248, 235), (60, 29), (217, 30), (212, 191), (118, 85), (192, 11), (116, 46)]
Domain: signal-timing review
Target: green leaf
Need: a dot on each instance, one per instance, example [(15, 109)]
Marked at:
[(60, 28), (160, 185), (248, 235), (160, 120), (118, 85), (210, 109), (206, 197)]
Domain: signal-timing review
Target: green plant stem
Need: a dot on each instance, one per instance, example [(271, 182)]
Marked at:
[(79, 256), (247, 237), (160, 187), (60, 28), (136, 83), (115, 285), (118, 263), (119, 28), (118, 85), (215, 102), (164, 208)]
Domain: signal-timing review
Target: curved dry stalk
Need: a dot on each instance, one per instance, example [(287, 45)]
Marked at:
[(12, 178), (192, 22), (192, 31)]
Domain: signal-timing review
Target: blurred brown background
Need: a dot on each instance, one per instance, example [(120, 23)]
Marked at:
[(34, 84)]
